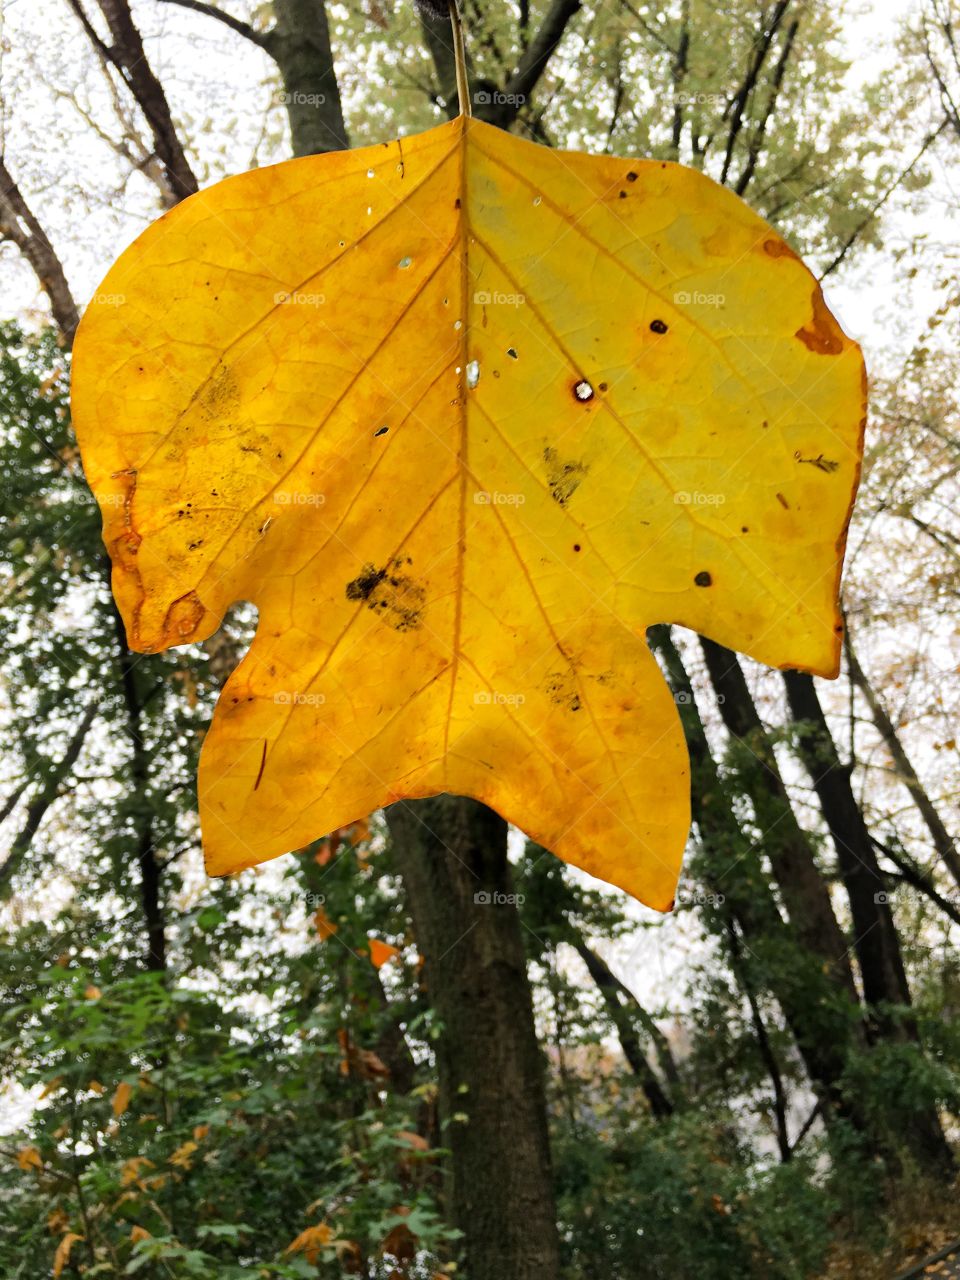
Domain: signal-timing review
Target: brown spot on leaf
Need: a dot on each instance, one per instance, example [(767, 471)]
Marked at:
[(396, 598), (778, 249), (703, 579), (658, 326), (783, 502), (563, 478), (561, 688), (183, 617), (822, 336)]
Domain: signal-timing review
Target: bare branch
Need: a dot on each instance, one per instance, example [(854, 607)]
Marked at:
[(235, 24), (864, 222), (540, 50), (129, 57), (19, 225), (48, 793), (739, 104)]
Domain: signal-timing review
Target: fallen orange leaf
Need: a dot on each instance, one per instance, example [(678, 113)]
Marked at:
[(121, 1098)]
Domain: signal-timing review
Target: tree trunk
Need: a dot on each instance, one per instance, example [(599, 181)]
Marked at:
[(878, 946), (299, 43), (805, 894), (816, 994), (452, 855)]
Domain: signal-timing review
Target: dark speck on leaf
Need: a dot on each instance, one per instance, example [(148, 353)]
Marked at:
[(563, 478), (363, 587), (381, 431), (631, 176), (658, 326), (703, 579), (397, 599)]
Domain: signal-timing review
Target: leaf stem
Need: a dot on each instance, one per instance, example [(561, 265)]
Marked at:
[(460, 58)]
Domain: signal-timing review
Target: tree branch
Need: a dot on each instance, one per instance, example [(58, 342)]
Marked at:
[(19, 225), (235, 24), (129, 57), (942, 841), (540, 50), (48, 793)]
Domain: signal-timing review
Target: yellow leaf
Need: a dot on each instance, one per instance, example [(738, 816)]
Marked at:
[(183, 1156), (311, 1241), (121, 1098), (92, 993), (463, 417), (57, 1221), (62, 1255), (200, 1132), (29, 1158), (381, 952), (324, 925), (96, 1087), (138, 1233), (51, 1086)]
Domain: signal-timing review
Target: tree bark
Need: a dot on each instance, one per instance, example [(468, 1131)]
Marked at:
[(299, 43), (622, 1018), (452, 855), (818, 999), (20, 227), (805, 894), (877, 944)]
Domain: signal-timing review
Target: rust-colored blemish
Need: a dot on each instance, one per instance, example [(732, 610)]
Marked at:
[(823, 337), (263, 765), (778, 249), (183, 617), (783, 502)]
